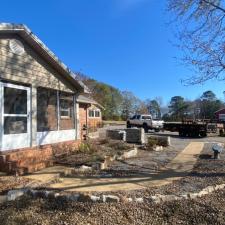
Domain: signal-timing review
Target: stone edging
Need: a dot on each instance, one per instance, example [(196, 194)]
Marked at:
[(78, 197)]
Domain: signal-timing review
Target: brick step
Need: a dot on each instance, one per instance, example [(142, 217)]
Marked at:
[(26, 169), (20, 155)]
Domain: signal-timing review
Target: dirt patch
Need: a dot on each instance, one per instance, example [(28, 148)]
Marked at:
[(94, 151)]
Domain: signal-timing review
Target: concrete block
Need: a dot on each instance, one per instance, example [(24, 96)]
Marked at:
[(157, 148), (115, 134), (95, 198), (134, 135), (139, 200), (110, 198), (14, 194)]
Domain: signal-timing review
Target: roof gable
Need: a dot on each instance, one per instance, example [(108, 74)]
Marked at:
[(26, 34)]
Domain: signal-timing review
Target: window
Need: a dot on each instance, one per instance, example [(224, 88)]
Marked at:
[(65, 108), (46, 110), (54, 110), (97, 113), (93, 113), (138, 117), (133, 117), (146, 117), (66, 111)]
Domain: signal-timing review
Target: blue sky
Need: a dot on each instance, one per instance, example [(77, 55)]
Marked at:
[(125, 43)]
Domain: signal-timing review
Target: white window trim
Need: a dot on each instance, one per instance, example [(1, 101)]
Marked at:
[(94, 110), (64, 110)]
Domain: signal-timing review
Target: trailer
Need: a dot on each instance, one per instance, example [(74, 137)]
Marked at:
[(191, 128)]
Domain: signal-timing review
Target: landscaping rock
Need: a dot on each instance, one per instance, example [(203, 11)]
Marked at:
[(85, 168), (139, 200), (110, 198), (14, 194), (95, 198), (157, 148), (130, 154)]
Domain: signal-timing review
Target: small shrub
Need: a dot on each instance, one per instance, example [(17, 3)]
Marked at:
[(119, 145), (87, 147), (157, 141), (152, 142)]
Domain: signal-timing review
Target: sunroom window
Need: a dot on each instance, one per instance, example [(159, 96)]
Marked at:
[(65, 108)]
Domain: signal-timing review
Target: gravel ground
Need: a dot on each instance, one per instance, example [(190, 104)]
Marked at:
[(206, 210), (11, 182)]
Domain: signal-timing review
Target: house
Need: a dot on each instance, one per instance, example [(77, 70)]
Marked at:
[(39, 103), (90, 113), (220, 115)]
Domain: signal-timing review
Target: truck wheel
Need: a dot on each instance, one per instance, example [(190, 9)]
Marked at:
[(203, 134), (145, 126), (128, 125), (182, 134)]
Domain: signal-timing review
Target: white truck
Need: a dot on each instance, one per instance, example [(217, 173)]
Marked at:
[(145, 121)]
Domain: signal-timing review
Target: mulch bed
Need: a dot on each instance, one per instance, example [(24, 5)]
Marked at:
[(93, 151)]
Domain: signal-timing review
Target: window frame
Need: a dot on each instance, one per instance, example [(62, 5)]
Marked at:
[(64, 109), (93, 111)]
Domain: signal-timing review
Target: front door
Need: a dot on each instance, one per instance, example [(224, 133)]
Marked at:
[(15, 116)]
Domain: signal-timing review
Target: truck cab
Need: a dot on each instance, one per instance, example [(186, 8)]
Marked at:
[(145, 121)]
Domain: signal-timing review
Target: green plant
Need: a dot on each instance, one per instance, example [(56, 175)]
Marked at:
[(87, 147), (152, 142)]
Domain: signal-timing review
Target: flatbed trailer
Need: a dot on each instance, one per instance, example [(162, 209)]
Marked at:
[(190, 128)]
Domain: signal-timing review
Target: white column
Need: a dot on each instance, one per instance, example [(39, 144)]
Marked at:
[(77, 117), (33, 116)]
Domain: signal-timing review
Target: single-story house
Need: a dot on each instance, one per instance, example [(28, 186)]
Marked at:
[(220, 115), (90, 113), (39, 102)]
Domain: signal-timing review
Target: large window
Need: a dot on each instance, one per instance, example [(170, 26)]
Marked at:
[(54, 110), (47, 119)]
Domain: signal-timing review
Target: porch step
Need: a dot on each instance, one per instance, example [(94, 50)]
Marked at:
[(32, 153), (31, 168)]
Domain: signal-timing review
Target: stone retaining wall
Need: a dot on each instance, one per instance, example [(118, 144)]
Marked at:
[(103, 198)]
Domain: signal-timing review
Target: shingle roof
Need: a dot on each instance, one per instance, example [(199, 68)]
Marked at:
[(88, 100)]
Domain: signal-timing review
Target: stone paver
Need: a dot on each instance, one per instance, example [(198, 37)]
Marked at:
[(176, 169)]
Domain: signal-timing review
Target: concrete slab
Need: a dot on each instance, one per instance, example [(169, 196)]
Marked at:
[(48, 174)]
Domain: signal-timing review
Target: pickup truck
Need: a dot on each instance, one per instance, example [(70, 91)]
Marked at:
[(145, 121)]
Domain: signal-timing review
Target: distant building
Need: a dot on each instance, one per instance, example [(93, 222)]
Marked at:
[(220, 115), (90, 113)]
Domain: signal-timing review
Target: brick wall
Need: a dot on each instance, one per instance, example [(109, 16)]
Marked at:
[(82, 118), (91, 122), (29, 160)]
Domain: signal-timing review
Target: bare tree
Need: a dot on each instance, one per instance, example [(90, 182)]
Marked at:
[(200, 28)]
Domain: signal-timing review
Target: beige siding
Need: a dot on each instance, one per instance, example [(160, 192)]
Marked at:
[(28, 68)]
